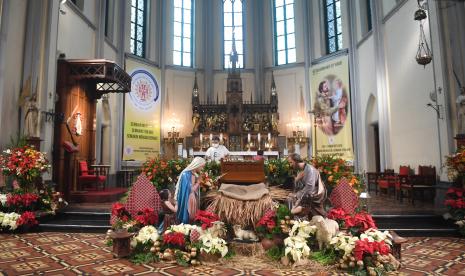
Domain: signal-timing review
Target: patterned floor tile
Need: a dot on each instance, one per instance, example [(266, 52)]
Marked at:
[(86, 254)]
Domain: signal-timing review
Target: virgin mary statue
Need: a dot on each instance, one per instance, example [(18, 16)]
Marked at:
[(187, 191)]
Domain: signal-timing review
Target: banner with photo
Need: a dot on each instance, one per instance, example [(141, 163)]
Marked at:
[(142, 111), (330, 90)]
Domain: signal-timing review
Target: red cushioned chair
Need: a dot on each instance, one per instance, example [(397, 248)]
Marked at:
[(89, 177)]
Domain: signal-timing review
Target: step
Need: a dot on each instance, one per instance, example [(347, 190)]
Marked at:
[(77, 221), (417, 225)]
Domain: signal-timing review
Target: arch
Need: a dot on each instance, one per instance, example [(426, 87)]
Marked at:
[(372, 135)]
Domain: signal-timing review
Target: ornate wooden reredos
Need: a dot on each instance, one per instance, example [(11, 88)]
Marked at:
[(79, 84), (239, 122)]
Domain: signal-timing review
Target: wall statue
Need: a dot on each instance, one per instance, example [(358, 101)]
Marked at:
[(31, 119), (460, 101)]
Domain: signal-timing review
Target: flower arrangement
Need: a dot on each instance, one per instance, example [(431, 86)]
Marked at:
[(119, 211), (157, 171), (333, 169), (213, 245), (206, 218), (208, 182), (147, 234), (455, 164), (356, 224), (11, 221), (277, 171), (296, 247), (24, 163), (273, 222), (176, 239), (147, 217), (455, 201)]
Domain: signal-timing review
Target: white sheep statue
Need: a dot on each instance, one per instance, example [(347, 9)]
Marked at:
[(326, 230)]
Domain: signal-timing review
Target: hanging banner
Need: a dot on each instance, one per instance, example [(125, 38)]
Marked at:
[(142, 111), (330, 92)]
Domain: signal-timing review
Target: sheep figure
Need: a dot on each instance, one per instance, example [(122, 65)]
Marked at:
[(326, 230), (242, 234)]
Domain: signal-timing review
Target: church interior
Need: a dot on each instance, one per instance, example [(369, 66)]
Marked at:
[(267, 136)]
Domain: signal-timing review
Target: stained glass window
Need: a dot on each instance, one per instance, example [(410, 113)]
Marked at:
[(233, 23), (182, 33), (138, 18), (333, 20), (284, 31)]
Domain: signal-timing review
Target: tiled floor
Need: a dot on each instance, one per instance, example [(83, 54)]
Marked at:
[(85, 254)]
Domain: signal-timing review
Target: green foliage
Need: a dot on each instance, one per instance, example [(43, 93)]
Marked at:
[(325, 257), (143, 258), (109, 242), (212, 168), (180, 258), (230, 254), (277, 171), (275, 253)]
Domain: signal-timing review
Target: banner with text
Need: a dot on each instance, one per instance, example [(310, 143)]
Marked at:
[(330, 92), (142, 111)]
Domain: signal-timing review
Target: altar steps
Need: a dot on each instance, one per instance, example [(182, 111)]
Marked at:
[(404, 225), (417, 225), (77, 221)]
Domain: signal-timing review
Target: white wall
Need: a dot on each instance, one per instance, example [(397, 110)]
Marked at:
[(11, 67)]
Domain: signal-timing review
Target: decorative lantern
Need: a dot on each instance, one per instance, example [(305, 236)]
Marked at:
[(424, 55), (121, 243)]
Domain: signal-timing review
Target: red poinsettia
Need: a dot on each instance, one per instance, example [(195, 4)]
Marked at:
[(120, 212), (174, 238), (365, 247), (268, 220), (206, 218), (20, 202), (337, 214), (147, 217), (27, 219), (364, 221)]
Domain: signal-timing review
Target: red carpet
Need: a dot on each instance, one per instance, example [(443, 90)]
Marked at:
[(107, 195)]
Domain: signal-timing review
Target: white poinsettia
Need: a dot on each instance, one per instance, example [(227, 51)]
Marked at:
[(296, 247), (344, 242), (146, 234), (3, 198), (213, 245), (183, 228), (9, 220), (376, 235), (302, 229)]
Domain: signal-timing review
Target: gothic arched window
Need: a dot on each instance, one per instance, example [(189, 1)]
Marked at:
[(284, 24), (233, 26), (182, 32), (333, 23), (138, 25)]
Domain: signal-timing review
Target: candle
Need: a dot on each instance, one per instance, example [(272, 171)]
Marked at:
[(201, 138), (211, 136), (221, 137), (248, 138), (269, 136), (258, 138)]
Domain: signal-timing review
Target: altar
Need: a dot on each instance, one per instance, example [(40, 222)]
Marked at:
[(238, 155), (240, 125)]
